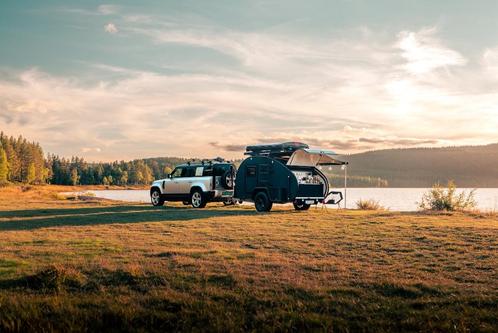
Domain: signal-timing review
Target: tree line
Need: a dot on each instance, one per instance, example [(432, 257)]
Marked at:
[(22, 161)]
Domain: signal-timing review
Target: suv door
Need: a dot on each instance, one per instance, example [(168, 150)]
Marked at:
[(185, 182), (173, 186)]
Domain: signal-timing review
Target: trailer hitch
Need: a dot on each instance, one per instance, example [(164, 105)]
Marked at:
[(334, 200)]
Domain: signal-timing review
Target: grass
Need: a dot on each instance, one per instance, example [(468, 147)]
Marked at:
[(369, 205), (70, 265)]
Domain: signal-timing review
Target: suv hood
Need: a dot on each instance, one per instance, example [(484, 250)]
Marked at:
[(314, 157)]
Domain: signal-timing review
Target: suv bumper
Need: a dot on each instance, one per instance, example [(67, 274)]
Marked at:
[(219, 195)]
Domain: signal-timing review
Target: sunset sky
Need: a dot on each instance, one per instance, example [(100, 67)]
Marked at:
[(126, 80)]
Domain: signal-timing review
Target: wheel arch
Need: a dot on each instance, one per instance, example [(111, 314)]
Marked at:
[(196, 187), (258, 190), (155, 188)]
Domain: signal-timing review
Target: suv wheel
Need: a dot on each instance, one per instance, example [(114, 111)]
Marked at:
[(262, 202), (197, 199), (300, 205), (155, 198)]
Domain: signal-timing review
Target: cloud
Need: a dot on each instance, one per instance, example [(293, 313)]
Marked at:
[(342, 94), (490, 61), (111, 28), (228, 147), (425, 53), (405, 142), (91, 149), (107, 9)]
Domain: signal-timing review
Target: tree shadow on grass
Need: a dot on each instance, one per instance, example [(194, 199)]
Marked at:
[(45, 218), (70, 211)]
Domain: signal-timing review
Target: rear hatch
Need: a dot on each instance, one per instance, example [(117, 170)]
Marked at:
[(304, 163)]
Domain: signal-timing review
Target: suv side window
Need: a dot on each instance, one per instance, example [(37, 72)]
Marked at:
[(189, 172), (208, 171), (177, 172), (219, 170), (199, 171)]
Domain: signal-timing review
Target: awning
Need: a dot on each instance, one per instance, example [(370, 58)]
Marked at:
[(314, 157)]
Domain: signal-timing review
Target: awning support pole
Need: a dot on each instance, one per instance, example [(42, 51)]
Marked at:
[(345, 186)]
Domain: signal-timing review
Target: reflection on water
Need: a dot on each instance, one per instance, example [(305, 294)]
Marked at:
[(397, 199)]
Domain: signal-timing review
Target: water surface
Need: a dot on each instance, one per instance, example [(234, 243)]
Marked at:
[(397, 199)]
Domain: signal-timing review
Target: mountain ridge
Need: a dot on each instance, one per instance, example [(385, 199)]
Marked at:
[(468, 166)]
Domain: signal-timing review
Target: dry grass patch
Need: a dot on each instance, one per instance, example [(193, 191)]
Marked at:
[(94, 266)]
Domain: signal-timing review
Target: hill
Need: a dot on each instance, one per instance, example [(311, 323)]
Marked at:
[(469, 166)]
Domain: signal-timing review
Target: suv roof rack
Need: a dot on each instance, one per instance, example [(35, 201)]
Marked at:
[(205, 161)]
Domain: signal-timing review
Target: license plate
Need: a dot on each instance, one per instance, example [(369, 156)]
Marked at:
[(226, 193), (310, 202)]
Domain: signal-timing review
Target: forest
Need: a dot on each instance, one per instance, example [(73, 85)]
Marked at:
[(22, 161)]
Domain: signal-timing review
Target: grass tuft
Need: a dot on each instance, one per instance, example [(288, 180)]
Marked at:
[(369, 205), (54, 279), (446, 199)]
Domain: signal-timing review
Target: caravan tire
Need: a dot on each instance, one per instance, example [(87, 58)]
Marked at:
[(262, 202), (300, 205)]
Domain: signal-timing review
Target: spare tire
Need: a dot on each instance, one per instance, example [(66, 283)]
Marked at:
[(228, 179)]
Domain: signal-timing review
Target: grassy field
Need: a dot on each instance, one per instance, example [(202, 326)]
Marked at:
[(72, 265)]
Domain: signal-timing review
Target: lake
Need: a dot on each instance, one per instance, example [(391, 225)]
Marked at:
[(396, 199)]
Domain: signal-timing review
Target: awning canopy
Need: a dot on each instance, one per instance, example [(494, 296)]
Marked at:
[(314, 157)]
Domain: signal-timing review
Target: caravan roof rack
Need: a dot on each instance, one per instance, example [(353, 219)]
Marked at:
[(281, 151)]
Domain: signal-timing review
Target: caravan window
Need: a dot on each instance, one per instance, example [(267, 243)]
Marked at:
[(251, 170)]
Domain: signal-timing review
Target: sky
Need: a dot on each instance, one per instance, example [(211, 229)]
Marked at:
[(123, 80)]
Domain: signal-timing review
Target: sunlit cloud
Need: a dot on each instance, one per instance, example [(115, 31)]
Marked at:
[(490, 61), (91, 149), (424, 52), (111, 28)]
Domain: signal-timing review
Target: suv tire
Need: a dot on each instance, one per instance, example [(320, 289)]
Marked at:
[(262, 202), (155, 198), (197, 199), (300, 205)]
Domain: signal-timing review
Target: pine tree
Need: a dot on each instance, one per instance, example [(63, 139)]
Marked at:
[(4, 166), (74, 176), (31, 174)]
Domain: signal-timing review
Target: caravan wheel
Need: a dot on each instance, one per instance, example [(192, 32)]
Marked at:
[(262, 202), (300, 205)]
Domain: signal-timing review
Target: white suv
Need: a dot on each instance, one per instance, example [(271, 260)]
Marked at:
[(196, 184)]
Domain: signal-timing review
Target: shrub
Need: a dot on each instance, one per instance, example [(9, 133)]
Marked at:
[(369, 205), (446, 199)]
